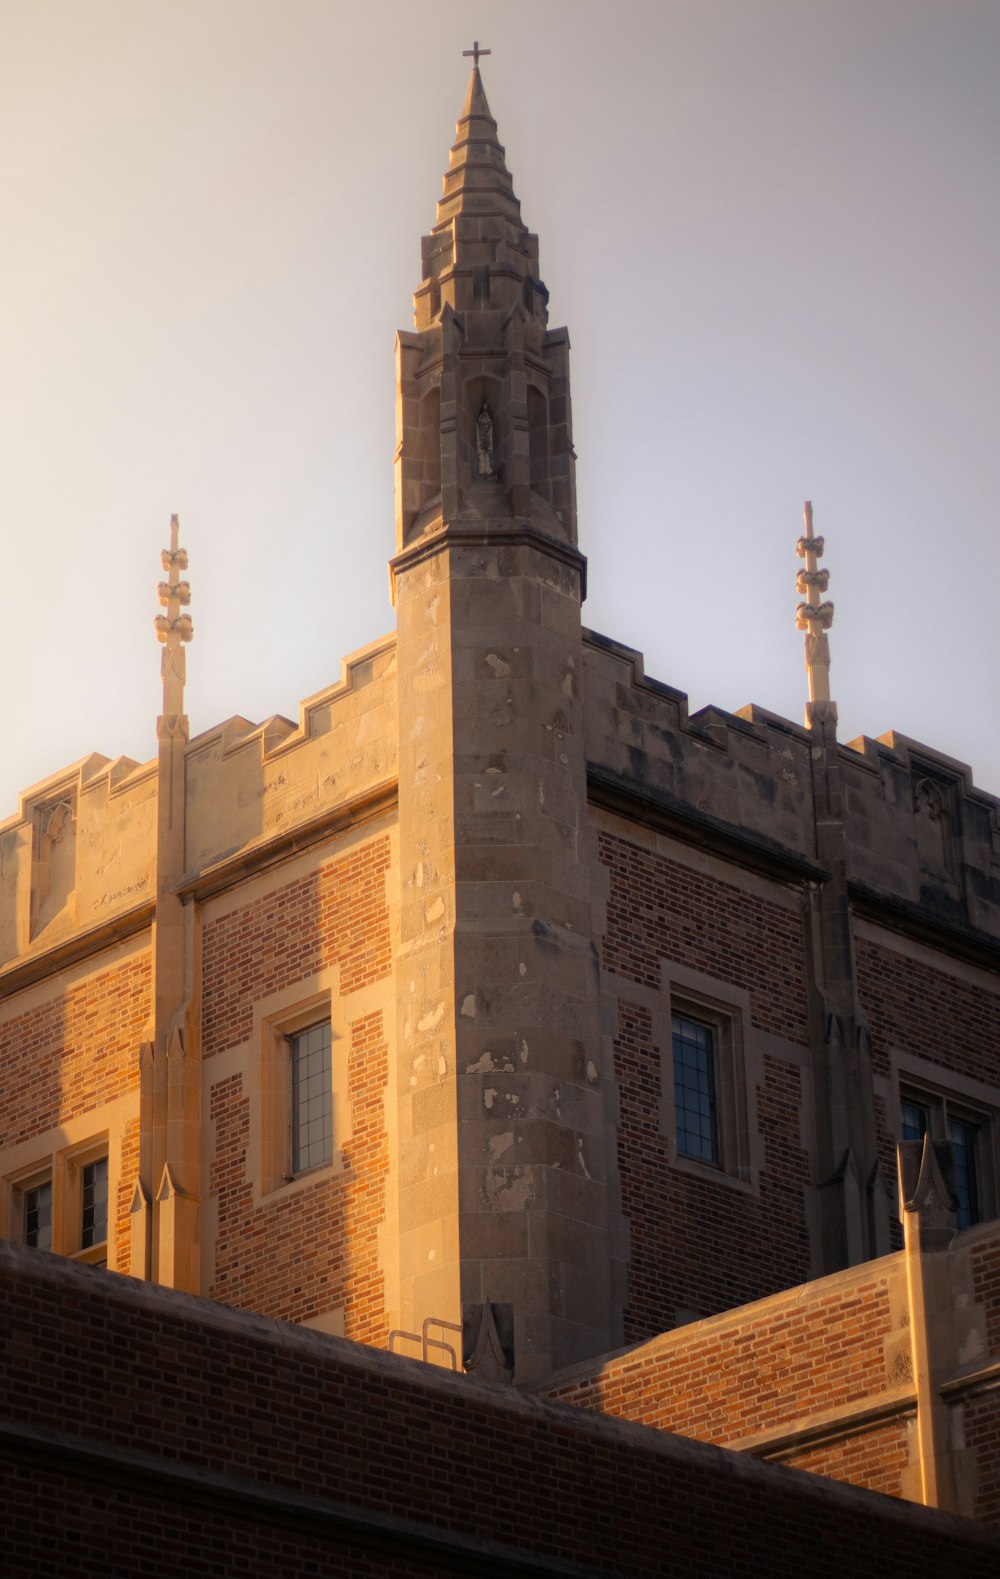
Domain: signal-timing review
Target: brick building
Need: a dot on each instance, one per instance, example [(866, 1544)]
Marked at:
[(501, 1012)]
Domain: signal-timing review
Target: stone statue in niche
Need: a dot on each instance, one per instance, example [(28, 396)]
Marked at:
[(485, 466)]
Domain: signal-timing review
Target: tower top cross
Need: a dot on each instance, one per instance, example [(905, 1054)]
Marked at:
[(475, 52)]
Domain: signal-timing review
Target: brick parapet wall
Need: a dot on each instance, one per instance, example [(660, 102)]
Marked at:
[(821, 1377), (836, 1345), (201, 1432)]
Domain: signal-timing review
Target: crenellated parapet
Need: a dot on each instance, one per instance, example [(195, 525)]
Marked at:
[(917, 828), (77, 856)]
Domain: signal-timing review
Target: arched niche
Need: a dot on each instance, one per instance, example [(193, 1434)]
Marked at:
[(538, 442)]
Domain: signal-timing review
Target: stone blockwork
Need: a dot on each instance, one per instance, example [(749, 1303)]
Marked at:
[(922, 839), (258, 1447)]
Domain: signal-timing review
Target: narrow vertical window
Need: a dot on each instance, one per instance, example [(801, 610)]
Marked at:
[(694, 1089), (311, 1097), (94, 1211), (963, 1150), (38, 1216)]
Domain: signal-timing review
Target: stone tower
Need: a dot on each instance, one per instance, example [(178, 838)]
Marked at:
[(503, 1176)]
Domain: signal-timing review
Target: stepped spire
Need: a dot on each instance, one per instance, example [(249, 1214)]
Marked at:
[(480, 252), (477, 180), (483, 422)]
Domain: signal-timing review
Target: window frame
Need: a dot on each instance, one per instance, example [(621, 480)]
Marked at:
[(63, 1171), (943, 1107), (725, 1013), (21, 1187), (296, 1169), (276, 1019), (705, 1063)]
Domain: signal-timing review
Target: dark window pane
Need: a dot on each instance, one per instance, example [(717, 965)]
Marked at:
[(94, 1224), (915, 1119), (38, 1216), (311, 1097), (963, 1150), (694, 1089)]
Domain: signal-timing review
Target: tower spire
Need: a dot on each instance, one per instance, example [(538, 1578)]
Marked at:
[(479, 238), (815, 619), (483, 418)]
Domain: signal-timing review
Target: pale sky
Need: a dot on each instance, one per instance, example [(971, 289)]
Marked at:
[(772, 227)]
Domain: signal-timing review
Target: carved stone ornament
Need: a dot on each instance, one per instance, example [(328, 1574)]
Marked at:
[(820, 579), (484, 443), (181, 590), (930, 798), (181, 627), (823, 612), (810, 545), (817, 650)]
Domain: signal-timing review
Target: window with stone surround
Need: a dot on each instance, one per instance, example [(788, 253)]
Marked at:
[(61, 1203), (704, 1083), (301, 1105)]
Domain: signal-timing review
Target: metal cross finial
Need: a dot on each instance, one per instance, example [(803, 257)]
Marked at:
[(475, 52)]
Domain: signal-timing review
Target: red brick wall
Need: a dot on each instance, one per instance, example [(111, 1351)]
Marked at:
[(659, 909), (877, 1458), (337, 913), (181, 1397), (128, 1173), (314, 1249), (758, 1242), (985, 1257), (981, 1424), (911, 1007), (74, 1052), (755, 1370)]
